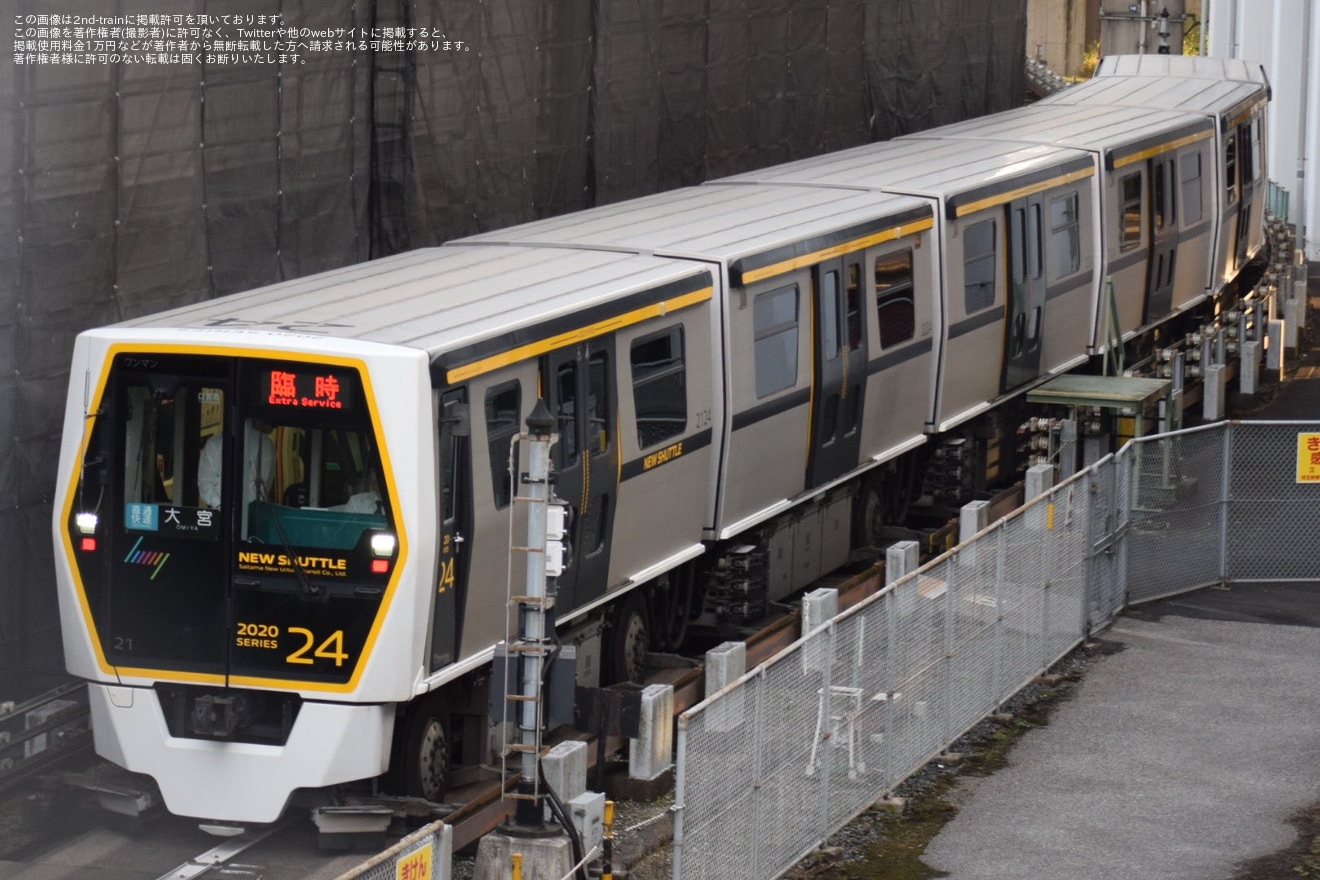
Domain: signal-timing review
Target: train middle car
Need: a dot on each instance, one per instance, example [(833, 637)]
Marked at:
[(283, 533)]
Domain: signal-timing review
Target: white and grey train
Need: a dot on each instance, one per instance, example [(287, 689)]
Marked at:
[(282, 528)]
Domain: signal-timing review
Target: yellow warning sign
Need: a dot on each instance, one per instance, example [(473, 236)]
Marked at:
[(415, 866), (1308, 458)]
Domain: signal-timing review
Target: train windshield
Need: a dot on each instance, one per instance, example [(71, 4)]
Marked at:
[(295, 457), (219, 491)]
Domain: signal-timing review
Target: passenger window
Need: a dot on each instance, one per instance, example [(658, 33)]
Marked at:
[(894, 303), (1191, 188), (659, 377), (775, 320), (598, 404), (979, 263), (451, 450), (567, 445), (1065, 235), (1131, 232), (1256, 149), (503, 406), (1159, 196), (854, 306), (1230, 168), (829, 300)]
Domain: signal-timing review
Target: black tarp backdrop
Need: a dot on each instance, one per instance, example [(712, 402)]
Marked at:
[(126, 189)]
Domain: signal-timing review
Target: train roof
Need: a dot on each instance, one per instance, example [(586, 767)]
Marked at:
[(1170, 82), (952, 169), (442, 300), (1182, 67), (725, 224), (1117, 131)]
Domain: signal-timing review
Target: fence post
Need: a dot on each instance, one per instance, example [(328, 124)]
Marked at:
[(950, 584), (758, 731), (680, 794), (892, 677), (1224, 500), (999, 616)]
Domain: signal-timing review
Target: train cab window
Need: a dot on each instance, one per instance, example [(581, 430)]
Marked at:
[(1065, 234), (979, 266), (598, 404), (308, 485), (166, 438), (1246, 159), (659, 377), (1131, 231), (775, 319), (503, 406), (1191, 188), (894, 303)]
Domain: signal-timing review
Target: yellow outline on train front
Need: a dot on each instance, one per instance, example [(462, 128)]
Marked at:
[(368, 644)]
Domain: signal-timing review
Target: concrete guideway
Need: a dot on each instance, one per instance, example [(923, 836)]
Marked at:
[(1182, 756)]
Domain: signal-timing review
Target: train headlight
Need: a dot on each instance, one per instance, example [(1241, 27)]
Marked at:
[(383, 544), (86, 523)]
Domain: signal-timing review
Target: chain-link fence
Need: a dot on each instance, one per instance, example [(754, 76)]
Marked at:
[(775, 763)]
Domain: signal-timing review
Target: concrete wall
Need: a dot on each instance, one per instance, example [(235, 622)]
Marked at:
[(1131, 27), (1059, 31)]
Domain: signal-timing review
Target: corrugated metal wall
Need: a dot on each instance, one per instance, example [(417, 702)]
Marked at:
[(127, 189)]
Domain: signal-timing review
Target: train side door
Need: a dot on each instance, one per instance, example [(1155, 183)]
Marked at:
[(579, 386), (1163, 174), (1026, 292), (839, 382), (452, 433)]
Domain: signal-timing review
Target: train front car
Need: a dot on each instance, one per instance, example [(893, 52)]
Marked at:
[(232, 524)]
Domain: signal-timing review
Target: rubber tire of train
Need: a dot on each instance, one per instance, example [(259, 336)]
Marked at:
[(626, 641), (427, 749)]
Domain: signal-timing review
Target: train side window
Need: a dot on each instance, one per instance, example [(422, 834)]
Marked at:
[(659, 376), (894, 303), (567, 446), (1066, 234), (451, 452), (775, 320), (853, 306), (1230, 168), (503, 406), (1191, 188), (1131, 232), (1257, 148), (1159, 195), (979, 263), (598, 404), (829, 301)]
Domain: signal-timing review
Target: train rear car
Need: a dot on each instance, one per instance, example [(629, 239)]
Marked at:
[(1234, 95)]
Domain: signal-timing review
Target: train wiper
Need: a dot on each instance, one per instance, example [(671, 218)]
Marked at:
[(309, 589)]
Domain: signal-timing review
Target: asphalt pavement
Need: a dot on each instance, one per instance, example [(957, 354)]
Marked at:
[(1182, 756)]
